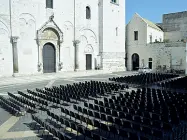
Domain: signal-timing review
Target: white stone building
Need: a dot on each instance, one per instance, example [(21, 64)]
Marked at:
[(148, 45), (57, 35)]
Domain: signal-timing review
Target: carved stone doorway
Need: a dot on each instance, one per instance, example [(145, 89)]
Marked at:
[(49, 58)]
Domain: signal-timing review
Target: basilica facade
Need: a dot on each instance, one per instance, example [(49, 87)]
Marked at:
[(46, 36)]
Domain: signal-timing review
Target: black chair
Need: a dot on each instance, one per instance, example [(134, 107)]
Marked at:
[(96, 136), (126, 124), (133, 136), (103, 117), (91, 106), (123, 133), (113, 130), (87, 133), (102, 109), (157, 133), (85, 104), (110, 119), (114, 113), (96, 115), (147, 130), (108, 111)]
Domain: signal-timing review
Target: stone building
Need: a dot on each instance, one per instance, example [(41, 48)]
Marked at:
[(160, 47), (45, 36)]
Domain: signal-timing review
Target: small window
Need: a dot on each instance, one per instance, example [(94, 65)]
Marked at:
[(114, 1), (150, 59), (160, 39), (135, 35), (88, 12), (49, 4)]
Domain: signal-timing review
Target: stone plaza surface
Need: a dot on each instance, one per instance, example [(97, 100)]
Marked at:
[(19, 128)]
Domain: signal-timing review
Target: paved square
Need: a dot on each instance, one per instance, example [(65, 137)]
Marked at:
[(14, 128)]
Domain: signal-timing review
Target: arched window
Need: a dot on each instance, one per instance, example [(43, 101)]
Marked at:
[(88, 12), (49, 4)]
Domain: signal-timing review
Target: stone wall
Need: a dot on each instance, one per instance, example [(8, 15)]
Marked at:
[(172, 56), (175, 26), (113, 61)]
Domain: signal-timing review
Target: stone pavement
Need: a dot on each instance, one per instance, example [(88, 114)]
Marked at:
[(13, 128), (52, 76)]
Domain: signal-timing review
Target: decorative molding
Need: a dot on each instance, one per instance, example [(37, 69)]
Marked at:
[(88, 49), (54, 27)]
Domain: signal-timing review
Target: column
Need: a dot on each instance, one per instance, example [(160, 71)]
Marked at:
[(77, 56), (15, 54)]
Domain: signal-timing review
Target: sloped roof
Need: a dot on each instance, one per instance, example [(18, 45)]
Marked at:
[(148, 22), (151, 24)]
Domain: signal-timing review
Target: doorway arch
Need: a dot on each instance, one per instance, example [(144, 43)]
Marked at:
[(135, 61), (49, 58)]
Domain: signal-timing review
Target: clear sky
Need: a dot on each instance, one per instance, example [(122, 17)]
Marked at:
[(153, 9)]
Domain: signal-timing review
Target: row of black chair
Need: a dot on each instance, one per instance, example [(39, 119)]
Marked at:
[(143, 79), (179, 83), (11, 107)]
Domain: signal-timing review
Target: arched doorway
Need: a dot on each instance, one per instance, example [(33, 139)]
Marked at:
[(49, 58), (135, 61)]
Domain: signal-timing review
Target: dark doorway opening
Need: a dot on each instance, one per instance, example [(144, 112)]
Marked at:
[(88, 61), (150, 63), (135, 61), (49, 58)]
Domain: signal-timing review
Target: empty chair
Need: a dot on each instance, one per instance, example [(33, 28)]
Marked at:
[(91, 106), (157, 133), (128, 117), (96, 107), (96, 102), (147, 130), (121, 115), (143, 138), (103, 117), (114, 113), (110, 119), (102, 109), (106, 105), (85, 111), (126, 124), (123, 133), (96, 136), (146, 121), (133, 136), (90, 113), (108, 111), (117, 121), (137, 119), (96, 115), (101, 103), (85, 104), (113, 130), (136, 127)]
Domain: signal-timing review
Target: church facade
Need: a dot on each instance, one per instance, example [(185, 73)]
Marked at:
[(46, 36)]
